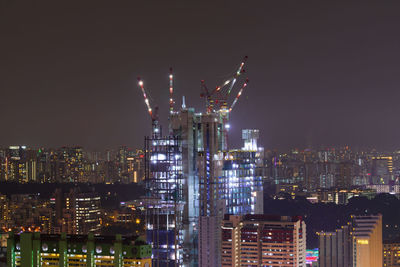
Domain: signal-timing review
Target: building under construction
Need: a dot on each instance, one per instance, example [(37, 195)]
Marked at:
[(187, 180), (164, 202)]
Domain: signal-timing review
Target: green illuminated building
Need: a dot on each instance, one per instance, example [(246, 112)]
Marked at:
[(35, 249)]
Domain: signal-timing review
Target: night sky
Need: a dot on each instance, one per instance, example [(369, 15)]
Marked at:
[(320, 73)]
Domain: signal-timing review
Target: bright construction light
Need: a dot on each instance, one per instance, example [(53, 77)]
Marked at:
[(140, 83), (170, 76), (158, 157), (227, 126)]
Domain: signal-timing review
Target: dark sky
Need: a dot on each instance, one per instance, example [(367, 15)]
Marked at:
[(320, 73)]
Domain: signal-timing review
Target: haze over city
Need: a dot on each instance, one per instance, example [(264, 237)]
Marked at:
[(199, 133), (320, 73)]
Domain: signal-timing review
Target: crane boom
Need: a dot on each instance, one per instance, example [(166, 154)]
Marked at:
[(233, 79), (171, 91), (217, 98), (237, 74), (239, 94), (146, 100)]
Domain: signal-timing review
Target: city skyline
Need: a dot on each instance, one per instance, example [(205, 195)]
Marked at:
[(320, 74), (199, 133)]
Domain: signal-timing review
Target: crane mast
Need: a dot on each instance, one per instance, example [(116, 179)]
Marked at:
[(171, 92), (216, 100)]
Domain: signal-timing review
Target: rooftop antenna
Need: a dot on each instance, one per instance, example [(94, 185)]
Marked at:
[(183, 102)]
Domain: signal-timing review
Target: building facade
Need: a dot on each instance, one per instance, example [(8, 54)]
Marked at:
[(391, 253), (335, 248), (35, 249), (263, 240), (164, 200), (241, 182), (367, 246), (359, 243), (212, 181)]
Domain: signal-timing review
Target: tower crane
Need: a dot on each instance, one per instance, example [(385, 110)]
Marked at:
[(216, 100), (156, 128)]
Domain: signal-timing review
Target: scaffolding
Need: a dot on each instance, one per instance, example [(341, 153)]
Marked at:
[(164, 201)]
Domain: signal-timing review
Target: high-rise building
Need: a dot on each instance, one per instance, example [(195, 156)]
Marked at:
[(357, 244), (209, 175), (70, 165), (31, 165), (382, 169), (263, 240), (81, 213), (211, 204), (164, 202), (43, 166), (122, 163), (135, 162), (185, 125), (391, 253), (4, 209), (335, 248), (367, 241), (35, 249), (345, 174), (16, 169), (203, 141), (241, 182)]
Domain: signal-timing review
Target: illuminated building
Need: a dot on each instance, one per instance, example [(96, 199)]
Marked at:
[(312, 257), (135, 163), (81, 213), (327, 180), (367, 247), (185, 125), (380, 188), (3, 239), (43, 166), (4, 209), (357, 244), (3, 164), (211, 204), (391, 253), (16, 169), (35, 249), (164, 202), (70, 165), (124, 215), (203, 140), (382, 169), (205, 186), (121, 160), (241, 181), (263, 240)]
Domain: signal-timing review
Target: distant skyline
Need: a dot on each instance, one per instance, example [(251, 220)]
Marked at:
[(320, 73)]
